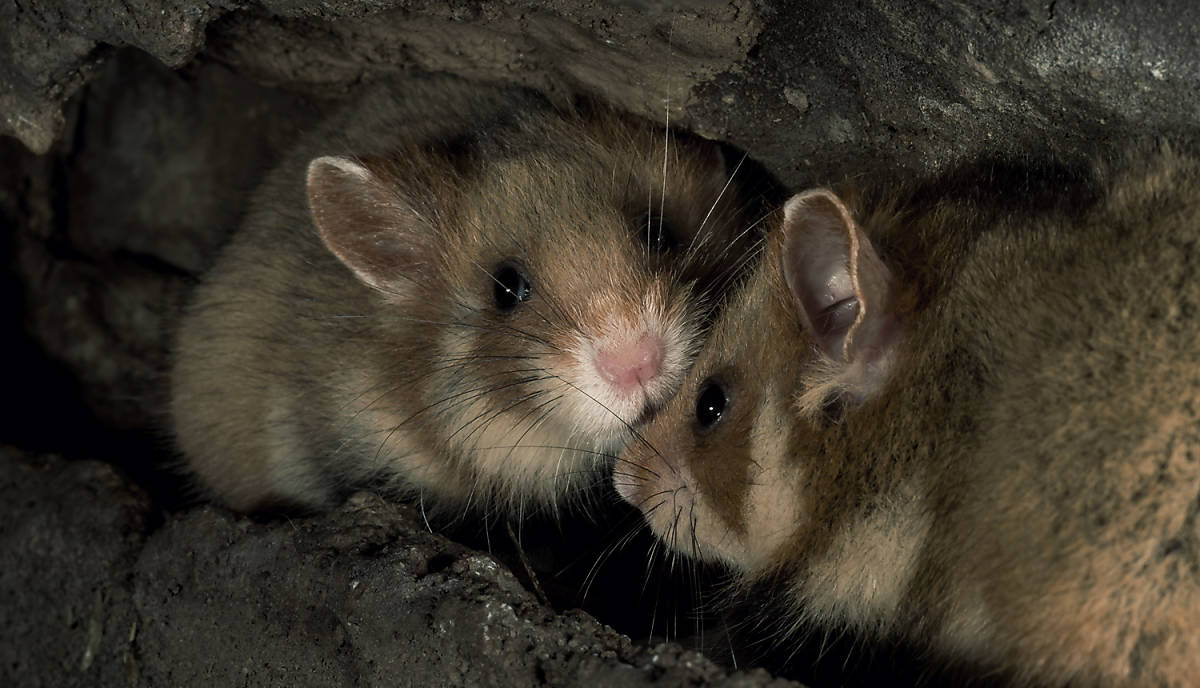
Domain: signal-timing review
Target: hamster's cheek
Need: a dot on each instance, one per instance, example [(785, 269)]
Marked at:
[(774, 514), (750, 497), (774, 506)]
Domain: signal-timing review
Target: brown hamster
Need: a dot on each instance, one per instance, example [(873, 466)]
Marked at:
[(959, 424), (454, 292)]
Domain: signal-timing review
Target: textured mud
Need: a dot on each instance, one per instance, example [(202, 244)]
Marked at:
[(98, 590), (136, 131)]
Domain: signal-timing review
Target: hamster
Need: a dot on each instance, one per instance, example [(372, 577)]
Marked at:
[(453, 292), (963, 424)]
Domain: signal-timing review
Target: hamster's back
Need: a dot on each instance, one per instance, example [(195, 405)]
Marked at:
[(1075, 524)]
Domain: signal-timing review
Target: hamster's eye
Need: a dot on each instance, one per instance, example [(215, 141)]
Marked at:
[(710, 405), (509, 287), (656, 232)]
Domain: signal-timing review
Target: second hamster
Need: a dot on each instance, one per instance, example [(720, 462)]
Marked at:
[(960, 424), (454, 292)]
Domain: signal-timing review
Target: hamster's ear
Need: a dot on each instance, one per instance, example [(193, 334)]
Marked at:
[(843, 291), (367, 224)]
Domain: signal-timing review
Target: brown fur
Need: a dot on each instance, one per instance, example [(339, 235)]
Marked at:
[(295, 381), (1022, 496)]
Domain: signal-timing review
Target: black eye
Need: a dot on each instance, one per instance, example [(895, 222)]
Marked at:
[(710, 405), (509, 287), (656, 232)]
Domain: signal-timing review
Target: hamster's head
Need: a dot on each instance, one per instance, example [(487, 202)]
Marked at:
[(730, 469), (549, 286)]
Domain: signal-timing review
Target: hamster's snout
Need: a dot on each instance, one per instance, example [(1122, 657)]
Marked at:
[(624, 371), (640, 477), (628, 367)]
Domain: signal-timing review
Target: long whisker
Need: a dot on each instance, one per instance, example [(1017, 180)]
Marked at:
[(590, 578), (538, 409), (451, 364), (715, 203), (485, 417), (662, 199), (628, 426)]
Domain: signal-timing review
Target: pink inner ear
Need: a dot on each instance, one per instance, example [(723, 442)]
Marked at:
[(818, 264), (841, 288), (366, 223), (843, 294)]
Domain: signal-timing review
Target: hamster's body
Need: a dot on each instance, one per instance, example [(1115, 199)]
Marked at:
[(1013, 477), (469, 295)]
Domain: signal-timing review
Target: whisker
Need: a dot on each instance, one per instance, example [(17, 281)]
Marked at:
[(628, 426), (410, 381), (492, 414), (715, 203)]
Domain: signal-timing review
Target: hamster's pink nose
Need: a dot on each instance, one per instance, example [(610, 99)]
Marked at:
[(628, 367)]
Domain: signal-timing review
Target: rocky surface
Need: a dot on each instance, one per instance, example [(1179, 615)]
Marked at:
[(138, 128), (638, 53), (98, 588), (805, 87)]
